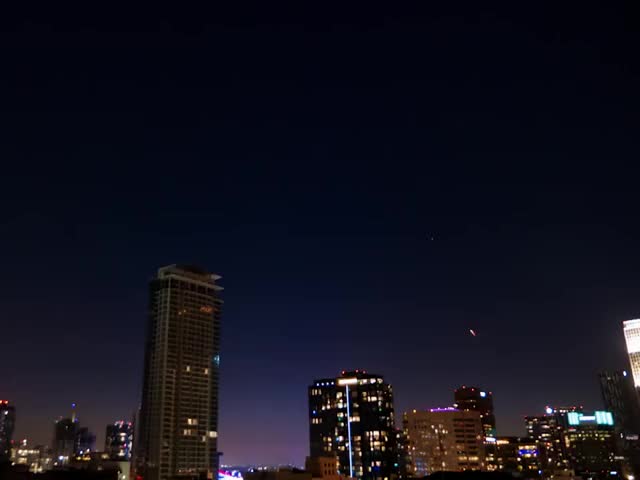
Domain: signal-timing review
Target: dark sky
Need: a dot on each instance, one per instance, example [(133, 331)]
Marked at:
[(308, 156)]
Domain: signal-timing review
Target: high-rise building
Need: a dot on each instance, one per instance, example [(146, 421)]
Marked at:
[(118, 440), (7, 425), (548, 431), (64, 440), (621, 398), (179, 413), (444, 439), (631, 330), (481, 401), (352, 418), (590, 441), (477, 400)]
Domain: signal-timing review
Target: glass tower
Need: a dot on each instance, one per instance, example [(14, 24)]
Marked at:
[(352, 418), (632, 337), (179, 413)]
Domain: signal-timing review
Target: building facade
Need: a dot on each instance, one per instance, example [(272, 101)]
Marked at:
[(620, 397), (548, 430), (179, 412), (631, 330), (118, 440), (444, 439), (7, 425), (352, 418), (481, 401), (323, 467), (477, 400), (591, 446), (518, 456)]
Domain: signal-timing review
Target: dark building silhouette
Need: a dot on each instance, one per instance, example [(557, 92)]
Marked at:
[(470, 475), (621, 399), (352, 418), (85, 442), (64, 440), (71, 440), (7, 425), (179, 412), (477, 400), (118, 440)]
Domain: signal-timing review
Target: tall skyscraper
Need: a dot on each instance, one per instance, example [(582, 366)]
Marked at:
[(444, 439), (548, 431), (477, 400), (352, 418), (7, 425), (179, 413), (118, 439), (632, 337)]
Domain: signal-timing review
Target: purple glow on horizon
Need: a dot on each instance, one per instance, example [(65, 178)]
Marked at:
[(444, 409)]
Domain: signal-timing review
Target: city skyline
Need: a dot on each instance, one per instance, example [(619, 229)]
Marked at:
[(398, 423), (374, 185)]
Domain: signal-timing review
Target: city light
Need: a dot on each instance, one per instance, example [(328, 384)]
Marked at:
[(599, 417), (229, 475), (347, 381)]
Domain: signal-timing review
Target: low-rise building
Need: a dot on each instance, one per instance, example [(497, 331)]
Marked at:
[(519, 456), (444, 439)]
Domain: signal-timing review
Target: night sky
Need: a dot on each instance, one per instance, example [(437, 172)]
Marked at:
[(370, 183)]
